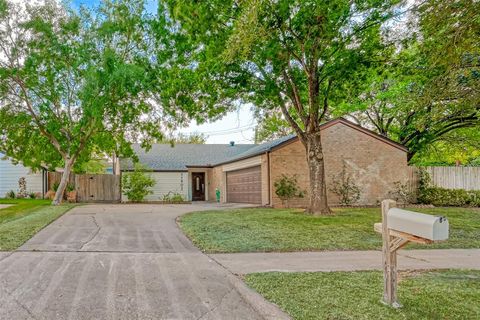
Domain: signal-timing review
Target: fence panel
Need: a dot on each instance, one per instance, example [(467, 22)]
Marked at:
[(467, 178), (91, 187), (97, 187)]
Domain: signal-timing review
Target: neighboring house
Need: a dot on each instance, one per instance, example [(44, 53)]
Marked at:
[(10, 173), (246, 173)]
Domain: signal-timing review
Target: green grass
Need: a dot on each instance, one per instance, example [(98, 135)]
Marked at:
[(253, 230), (451, 294), (25, 218)]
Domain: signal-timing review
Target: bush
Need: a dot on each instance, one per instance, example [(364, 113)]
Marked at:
[(55, 186), (173, 197), (287, 188), (345, 188), (449, 197), (10, 195), (32, 195), (402, 193), (136, 185)]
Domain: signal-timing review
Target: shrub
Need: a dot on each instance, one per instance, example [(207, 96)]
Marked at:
[(10, 195), (70, 187), (402, 193), (449, 197), (32, 195), (55, 186), (345, 188), (137, 184), (287, 188), (173, 197)]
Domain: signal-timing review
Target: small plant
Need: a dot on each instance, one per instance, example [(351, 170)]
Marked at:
[(402, 193), (345, 188), (55, 186), (22, 188), (286, 188), (10, 195), (70, 187), (32, 195), (137, 184), (173, 197)]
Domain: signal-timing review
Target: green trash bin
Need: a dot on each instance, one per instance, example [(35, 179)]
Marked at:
[(217, 193)]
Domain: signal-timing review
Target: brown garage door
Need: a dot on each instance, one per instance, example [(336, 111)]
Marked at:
[(245, 185)]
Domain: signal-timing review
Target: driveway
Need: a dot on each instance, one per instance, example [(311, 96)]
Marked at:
[(122, 262)]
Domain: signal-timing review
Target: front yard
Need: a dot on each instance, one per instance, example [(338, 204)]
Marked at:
[(24, 218), (451, 294), (260, 229)]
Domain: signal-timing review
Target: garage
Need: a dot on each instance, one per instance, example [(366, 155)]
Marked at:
[(245, 185)]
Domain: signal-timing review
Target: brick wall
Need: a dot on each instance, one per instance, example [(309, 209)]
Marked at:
[(373, 164)]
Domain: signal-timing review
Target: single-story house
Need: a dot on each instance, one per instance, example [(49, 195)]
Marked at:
[(246, 173), (10, 174)]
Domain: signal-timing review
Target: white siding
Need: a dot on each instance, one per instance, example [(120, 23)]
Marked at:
[(10, 173), (166, 182)]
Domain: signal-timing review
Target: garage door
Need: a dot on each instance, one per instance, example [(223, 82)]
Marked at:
[(245, 185)]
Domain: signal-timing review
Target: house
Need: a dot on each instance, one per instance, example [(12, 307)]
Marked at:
[(10, 173), (246, 173)]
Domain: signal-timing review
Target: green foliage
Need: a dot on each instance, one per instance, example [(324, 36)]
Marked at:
[(344, 186), (75, 83), (173, 197), (70, 187), (55, 186), (286, 188), (181, 138), (32, 195), (449, 197), (137, 185)]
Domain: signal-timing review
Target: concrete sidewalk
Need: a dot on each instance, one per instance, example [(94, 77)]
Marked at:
[(243, 263)]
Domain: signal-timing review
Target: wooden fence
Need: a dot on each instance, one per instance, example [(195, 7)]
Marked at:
[(467, 178), (91, 187)]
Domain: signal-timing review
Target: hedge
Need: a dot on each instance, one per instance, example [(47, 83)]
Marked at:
[(449, 197)]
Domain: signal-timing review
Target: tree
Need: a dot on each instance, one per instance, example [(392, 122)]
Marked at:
[(73, 83), (299, 56), (431, 89), (195, 138)]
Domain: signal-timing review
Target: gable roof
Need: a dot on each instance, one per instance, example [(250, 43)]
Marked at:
[(164, 157)]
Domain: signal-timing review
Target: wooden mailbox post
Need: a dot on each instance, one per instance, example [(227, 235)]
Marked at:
[(398, 228)]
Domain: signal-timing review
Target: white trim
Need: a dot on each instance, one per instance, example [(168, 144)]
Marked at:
[(242, 164)]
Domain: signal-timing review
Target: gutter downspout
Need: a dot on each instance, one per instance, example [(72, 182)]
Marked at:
[(268, 179)]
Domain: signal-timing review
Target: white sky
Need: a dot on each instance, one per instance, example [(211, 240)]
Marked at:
[(238, 126)]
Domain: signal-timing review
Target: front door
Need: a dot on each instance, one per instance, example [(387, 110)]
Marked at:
[(198, 186)]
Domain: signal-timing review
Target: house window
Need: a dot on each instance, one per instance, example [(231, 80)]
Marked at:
[(197, 183)]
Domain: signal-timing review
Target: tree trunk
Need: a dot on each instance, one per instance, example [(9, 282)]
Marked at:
[(318, 188), (63, 183)]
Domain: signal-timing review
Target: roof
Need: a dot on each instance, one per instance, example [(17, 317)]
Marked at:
[(165, 157)]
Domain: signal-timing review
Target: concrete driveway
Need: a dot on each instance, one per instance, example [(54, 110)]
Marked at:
[(122, 262)]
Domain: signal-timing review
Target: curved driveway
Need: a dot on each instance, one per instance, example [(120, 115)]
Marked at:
[(121, 262)]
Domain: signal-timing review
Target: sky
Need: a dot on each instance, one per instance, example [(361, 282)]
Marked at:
[(238, 126)]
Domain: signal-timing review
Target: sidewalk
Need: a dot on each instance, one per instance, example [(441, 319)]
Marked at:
[(243, 263)]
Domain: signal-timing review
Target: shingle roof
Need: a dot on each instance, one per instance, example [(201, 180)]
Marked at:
[(259, 149), (165, 157)]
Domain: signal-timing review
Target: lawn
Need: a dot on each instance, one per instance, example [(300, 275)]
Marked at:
[(450, 294), (253, 230), (25, 218)]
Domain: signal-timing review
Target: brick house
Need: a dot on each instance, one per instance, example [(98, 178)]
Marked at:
[(247, 172)]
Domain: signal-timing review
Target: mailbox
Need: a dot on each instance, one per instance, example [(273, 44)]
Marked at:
[(426, 226)]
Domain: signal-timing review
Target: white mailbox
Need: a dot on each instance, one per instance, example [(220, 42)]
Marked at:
[(426, 226)]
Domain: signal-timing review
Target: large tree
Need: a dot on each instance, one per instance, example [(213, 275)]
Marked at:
[(73, 83), (298, 55)]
